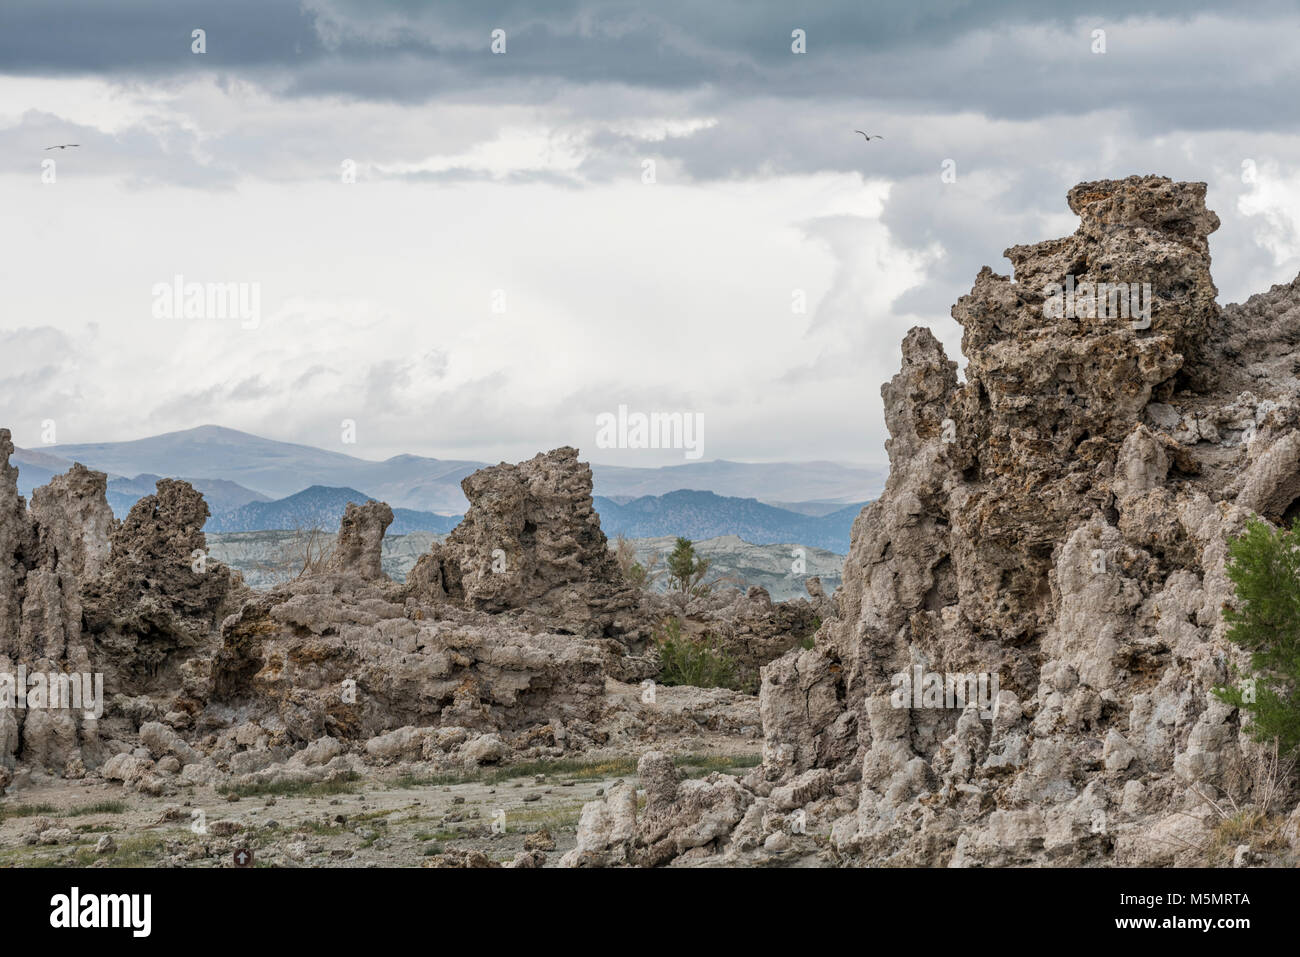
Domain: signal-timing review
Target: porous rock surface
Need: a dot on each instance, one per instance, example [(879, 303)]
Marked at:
[(345, 651), (158, 597), (81, 593), (45, 553), (1060, 520), (530, 545)]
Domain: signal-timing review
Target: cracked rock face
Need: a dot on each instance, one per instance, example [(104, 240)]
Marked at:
[(46, 553), (530, 544), (73, 522), (1049, 398), (64, 541), (16, 540), (318, 657), (346, 652), (1058, 520), (359, 549), (681, 819), (157, 593), (81, 593)]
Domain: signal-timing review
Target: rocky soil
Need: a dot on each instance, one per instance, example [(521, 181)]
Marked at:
[(371, 813)]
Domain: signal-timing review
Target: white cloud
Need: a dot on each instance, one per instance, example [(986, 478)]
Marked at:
[(1273, 204), (665, 294), (378, 296)]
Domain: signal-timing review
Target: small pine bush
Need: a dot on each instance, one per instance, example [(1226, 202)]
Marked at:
[(1264, 565)]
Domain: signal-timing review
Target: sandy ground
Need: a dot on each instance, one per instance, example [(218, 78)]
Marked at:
[(395, 821)]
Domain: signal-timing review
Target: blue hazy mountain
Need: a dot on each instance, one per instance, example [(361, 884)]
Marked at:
[(257, 484), (221, 495), (320, 507), (699, 515), (36, 468), (277, 469), (693, 514)]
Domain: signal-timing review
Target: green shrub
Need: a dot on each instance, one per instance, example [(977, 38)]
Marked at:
[(698, 662), (686, 573), (1264, 565)]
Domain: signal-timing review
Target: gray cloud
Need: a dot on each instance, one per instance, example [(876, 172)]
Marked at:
[(410, 51), (289, 89)]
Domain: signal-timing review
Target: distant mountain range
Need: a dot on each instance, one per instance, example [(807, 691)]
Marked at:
[(36, 468), (255, 484), (320, 507), (700, 515), (777, 483), (269, 469), (277, 469), (220, 495), (696, 515)]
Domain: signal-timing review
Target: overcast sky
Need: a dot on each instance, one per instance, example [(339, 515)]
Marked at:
[(518, 179)]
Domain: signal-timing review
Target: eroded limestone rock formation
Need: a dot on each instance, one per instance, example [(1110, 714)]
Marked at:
[(45, 555), (530, 545), (1058, 520), (346, 652), (359, 548), (82, 594), (680, 819), (158, 598)]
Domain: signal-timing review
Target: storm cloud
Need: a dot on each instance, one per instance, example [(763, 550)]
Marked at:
[(473, 254)]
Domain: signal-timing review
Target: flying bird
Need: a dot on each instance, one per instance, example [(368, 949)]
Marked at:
[(868, 137), (61, 147)]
